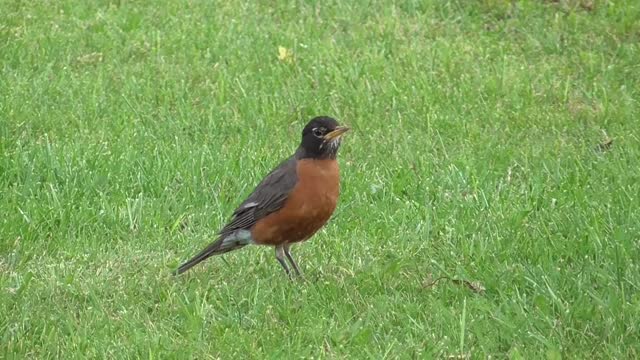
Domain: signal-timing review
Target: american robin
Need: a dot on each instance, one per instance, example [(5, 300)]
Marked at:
[(291, 203)]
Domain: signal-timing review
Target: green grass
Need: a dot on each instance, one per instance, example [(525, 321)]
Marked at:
[(129, 131)]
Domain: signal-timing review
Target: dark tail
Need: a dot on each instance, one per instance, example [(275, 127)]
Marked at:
[(216, 248)]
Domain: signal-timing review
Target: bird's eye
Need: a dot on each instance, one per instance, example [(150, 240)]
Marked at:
[(317, 132)]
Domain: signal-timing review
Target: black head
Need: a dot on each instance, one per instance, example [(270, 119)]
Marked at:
[(321, 138)]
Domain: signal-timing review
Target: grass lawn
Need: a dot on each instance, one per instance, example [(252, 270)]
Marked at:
[(481, 151)]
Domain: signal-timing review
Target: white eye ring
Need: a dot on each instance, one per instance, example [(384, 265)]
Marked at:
[(317, 132)]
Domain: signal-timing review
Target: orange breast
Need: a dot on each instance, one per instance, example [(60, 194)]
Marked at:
[(308, 208)]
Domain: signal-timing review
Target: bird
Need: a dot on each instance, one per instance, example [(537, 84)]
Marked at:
[(291, 203)]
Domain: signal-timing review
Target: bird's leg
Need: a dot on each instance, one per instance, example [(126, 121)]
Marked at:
[(287, 252), (280, 254)]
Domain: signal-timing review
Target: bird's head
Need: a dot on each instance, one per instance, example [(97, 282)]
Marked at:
[(321, 138)]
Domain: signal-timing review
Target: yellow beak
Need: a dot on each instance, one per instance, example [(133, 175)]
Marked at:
[(336, 133)]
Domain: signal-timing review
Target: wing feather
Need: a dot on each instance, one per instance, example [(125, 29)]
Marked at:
[(269, 196)]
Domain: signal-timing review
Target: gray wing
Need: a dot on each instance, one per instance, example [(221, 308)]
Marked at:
[(269, 196)]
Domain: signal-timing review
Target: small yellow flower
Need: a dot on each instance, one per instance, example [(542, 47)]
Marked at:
[(285, 55)]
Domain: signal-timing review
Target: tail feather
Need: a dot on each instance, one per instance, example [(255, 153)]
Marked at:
[(218, 247)]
